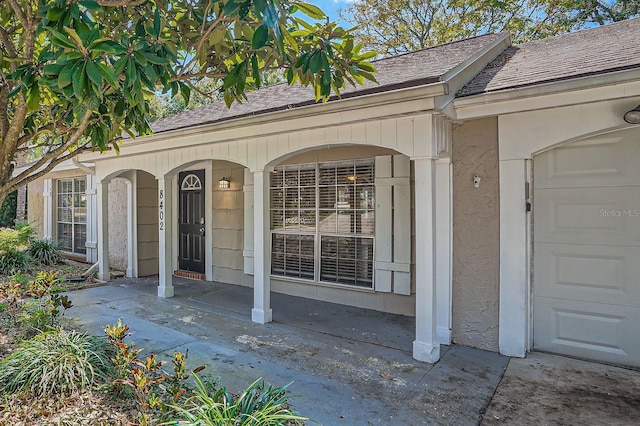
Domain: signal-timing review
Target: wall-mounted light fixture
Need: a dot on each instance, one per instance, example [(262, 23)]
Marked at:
[(224, 183), (633, 116)]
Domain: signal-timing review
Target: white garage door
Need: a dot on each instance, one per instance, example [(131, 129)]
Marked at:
[(586, 281)]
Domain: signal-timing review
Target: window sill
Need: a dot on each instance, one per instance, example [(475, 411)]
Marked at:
[(322, 284), (78, 257)]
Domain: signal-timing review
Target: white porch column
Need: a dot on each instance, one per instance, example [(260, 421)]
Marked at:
[(102, 193), (132, 224), (49, 204), (261, 311), (426, 346), (443, 255), (165, 245), (514, 259)]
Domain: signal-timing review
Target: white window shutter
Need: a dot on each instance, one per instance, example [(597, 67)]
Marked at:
[(92, 220), (247, 251), (393, 224), (402, 225), (384, 224)]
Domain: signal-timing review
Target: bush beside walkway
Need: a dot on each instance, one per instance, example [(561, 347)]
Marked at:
[(53, 374)]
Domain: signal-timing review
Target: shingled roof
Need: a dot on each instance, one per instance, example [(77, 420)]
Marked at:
[(406, 70), (584, 53)]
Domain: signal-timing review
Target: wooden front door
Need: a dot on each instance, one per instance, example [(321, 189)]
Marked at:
[(191, 221)]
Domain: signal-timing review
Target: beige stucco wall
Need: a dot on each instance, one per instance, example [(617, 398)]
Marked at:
[(35, 205), (228, 223), (147, 212), (118, 224), (476, 234)]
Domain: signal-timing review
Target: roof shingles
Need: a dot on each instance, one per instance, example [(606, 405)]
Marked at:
[(407, 70), (588, 52)]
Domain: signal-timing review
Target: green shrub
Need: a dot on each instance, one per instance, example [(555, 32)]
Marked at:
[(8, 209), (15, 239), (154, 389), (256, 405), (13, 262), (45, 252), (33, 306), (56, 362), (14, 244)]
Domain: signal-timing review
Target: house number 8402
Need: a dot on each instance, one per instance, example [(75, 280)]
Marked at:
[(161, 207)]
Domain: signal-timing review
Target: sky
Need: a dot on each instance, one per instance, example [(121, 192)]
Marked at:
[(331, 7)]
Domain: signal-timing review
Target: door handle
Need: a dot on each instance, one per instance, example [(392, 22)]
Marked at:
[(201, 231)]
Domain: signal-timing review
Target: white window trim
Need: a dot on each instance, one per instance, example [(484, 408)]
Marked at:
[(56, 221)]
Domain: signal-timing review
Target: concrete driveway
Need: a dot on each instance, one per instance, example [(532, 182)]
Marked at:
[(352, 366)]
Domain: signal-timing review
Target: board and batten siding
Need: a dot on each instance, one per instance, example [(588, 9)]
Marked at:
[(406, 135), (228, 224), (147, 213)]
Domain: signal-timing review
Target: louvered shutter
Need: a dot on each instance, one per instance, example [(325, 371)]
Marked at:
[(92, 219), (393, 224)]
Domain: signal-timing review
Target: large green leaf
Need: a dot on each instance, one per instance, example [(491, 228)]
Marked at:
[(64, 78), (108, 74), (260, 37), (155, 59), (310, 10), (94, 73), (78, 80), (316, 62), (33, 99)]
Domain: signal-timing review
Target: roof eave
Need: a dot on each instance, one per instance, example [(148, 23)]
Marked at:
[(541, 96), (459, 76)]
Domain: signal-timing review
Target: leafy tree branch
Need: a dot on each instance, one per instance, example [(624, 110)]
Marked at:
[(77, 75)]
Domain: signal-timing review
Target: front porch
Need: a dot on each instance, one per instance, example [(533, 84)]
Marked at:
[(348, 365), (357, 325)]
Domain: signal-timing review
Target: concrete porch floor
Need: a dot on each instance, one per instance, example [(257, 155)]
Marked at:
[(349, 366)]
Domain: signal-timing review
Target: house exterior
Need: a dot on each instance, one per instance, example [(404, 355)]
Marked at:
[(489, 190)]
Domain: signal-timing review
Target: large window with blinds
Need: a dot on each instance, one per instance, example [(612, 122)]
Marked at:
[(323, 222), (71, 216)]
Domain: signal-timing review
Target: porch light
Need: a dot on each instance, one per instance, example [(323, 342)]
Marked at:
[(224, 183), (633, 116)]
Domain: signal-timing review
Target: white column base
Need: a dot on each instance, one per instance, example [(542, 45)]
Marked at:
[(426, 352), (165, 291), (103, 276), (443, 335), (260, 316)]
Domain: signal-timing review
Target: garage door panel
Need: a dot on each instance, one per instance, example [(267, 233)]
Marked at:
[(606, 161), (586, 222), (608, 216), (606, 274), (589, 330)]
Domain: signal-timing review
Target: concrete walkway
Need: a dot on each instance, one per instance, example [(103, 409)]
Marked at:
[(349, 366)]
